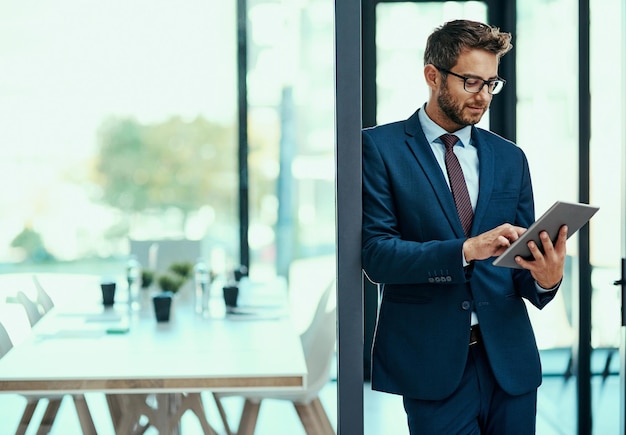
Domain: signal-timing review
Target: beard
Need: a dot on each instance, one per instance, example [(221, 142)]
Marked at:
[(454, 110)]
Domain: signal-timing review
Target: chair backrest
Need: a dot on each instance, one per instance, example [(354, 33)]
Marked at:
[(145, 251), (32, 309), (158, 255), (5, 341), (43, 298), (318, 342)]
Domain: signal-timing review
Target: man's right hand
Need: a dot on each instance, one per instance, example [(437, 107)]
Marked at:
[(491, 243)]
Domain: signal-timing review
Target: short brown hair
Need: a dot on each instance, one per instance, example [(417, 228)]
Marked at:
[(446, 43)]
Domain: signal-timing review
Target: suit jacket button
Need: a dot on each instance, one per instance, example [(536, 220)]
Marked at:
[(466, 305), (437, 279), (431, 280), (449, 278)]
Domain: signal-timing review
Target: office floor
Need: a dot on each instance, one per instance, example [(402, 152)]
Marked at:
[(383, 413)]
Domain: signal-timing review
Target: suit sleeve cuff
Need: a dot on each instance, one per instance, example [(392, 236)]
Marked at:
[(547, 290)]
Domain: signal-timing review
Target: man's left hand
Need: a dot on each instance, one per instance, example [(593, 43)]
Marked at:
[(547, 266)]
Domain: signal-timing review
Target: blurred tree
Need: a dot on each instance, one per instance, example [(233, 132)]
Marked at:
[(31, 242), (175, 163)]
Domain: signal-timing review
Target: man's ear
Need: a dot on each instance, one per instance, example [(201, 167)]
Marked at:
[(432, 76)]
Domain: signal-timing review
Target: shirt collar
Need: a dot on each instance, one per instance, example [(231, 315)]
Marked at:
[(432, 131)]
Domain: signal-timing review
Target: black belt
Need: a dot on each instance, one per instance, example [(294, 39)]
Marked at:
[(475, 336)]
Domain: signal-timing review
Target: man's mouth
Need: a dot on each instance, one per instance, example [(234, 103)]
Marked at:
[(477, 108)]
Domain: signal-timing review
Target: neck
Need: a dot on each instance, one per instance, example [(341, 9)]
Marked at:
[(439, 118)]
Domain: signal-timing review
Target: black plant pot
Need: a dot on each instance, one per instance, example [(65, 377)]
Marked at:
[(231, 293), (162, 306)]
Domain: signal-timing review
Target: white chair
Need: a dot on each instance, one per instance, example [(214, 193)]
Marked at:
[(35, 311), (158, 255), (318, 344), (43, 298), (5, 341)]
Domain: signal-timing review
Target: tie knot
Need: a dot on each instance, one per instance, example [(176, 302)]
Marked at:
[(449, 140)]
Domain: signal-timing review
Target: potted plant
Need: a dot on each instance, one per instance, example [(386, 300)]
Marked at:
[(182, 269), (147, 279), (170, 282), (175, 277)]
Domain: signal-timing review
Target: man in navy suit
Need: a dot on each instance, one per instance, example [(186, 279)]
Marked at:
[(453, 336)]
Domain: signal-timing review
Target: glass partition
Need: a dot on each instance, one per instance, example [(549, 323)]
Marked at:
[(608, 140), (547, 131), (121, 123), (118, 123), (547, 114), (547, 119), (401, 32), (291, 133)]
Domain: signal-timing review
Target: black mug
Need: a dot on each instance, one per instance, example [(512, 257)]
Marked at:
[(108, 293), (231, 292)]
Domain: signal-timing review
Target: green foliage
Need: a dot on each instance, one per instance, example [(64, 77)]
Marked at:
[(182, 269), (147, 278), (32, 244), (169, 164), (170, 282), (176, 276)]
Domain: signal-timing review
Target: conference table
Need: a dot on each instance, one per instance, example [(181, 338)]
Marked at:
[(81, 346)]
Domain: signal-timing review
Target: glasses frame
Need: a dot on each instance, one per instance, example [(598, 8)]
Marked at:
[(485, 82)]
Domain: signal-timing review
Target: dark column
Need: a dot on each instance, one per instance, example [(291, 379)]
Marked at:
[(370, 296), (503, 113), (582, 349), (242, 105), (369, 62), (349, 204)]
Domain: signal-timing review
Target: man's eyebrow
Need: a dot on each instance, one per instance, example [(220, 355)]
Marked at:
[(474, 76)]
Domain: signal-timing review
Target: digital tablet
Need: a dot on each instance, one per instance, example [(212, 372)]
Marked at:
[(574, 215)]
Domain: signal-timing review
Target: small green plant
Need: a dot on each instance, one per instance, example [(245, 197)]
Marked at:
[(182, 269), (176, 276), (147, 278), (170, 282)]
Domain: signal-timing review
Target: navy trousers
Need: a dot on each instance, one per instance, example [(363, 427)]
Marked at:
[(478, 406)]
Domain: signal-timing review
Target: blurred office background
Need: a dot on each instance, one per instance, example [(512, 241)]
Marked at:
[(121, 121)]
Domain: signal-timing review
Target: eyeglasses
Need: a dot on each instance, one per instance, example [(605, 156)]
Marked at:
[(474, 85)]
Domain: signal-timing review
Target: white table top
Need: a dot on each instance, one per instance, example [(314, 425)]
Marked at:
[(85, 351)]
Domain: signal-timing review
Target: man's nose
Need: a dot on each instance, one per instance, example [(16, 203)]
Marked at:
[(484, 94)]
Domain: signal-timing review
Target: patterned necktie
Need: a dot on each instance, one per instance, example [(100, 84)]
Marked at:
[(457, 183)]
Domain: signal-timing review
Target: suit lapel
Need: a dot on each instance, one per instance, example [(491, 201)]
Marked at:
[(419, 146)]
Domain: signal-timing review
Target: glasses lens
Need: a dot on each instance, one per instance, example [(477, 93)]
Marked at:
[(496, 86), (473, 85)]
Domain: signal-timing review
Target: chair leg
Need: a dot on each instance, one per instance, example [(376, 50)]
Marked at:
[(115, 409), (84, 416), (249, 417), (222, 411), (49, 416), (27, 416), (322, 417), (123, 421), (309, 419), (134, 407), (193, 401)]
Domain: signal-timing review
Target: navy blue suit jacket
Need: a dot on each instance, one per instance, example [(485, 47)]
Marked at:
[(412, 247)]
